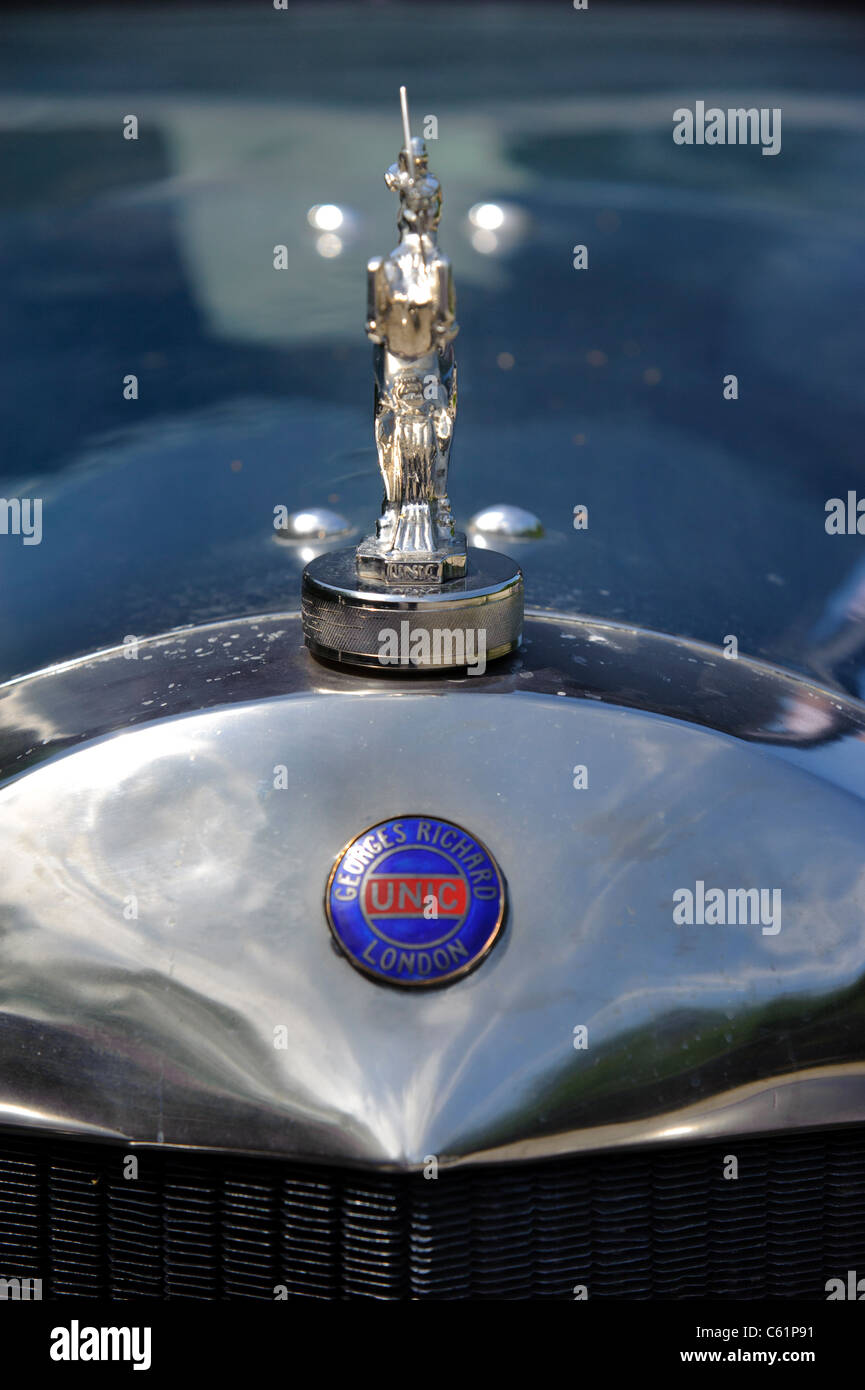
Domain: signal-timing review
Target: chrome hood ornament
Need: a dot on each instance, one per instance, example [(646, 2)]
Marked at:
[(411, 324), (416, 568)]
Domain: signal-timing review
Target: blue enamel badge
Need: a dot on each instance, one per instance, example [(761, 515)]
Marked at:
[(415, 901)]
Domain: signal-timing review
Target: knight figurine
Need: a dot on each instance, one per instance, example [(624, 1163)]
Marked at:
[(411, 325), (414, 575)]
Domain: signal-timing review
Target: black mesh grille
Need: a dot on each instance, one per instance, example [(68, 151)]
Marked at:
[(648, 1224)]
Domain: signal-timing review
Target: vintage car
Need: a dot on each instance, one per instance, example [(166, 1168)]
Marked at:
[(527, 972)]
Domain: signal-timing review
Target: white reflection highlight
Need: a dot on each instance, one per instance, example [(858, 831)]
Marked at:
[(485, 242), (329, 245), (496, 227), (325, 217), (306, 523), (488, 216)]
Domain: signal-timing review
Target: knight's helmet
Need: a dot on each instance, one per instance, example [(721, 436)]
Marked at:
[(419, 191)]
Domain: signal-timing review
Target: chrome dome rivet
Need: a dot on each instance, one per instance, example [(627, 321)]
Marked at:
[(312, 524), (504, 519)]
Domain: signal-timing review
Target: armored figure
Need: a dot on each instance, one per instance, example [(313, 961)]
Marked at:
[(411, 325), (414, 576)]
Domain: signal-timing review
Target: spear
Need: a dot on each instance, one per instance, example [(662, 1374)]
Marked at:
[(406, 130)]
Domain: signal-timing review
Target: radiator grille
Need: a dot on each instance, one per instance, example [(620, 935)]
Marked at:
[(647, 1224)]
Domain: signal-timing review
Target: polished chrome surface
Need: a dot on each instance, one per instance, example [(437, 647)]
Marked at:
[(348, 619), (148, 785)]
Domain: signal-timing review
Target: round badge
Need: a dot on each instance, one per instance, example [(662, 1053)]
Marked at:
[(415, 901)]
